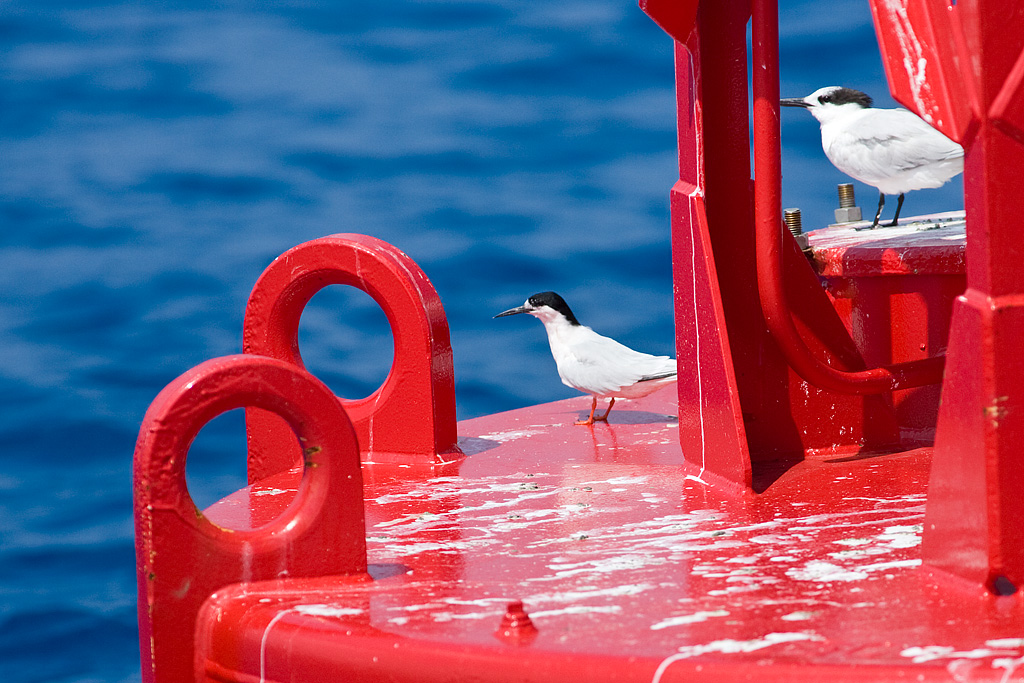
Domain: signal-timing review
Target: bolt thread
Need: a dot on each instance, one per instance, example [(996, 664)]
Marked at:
[(793, 221), (846, 199)]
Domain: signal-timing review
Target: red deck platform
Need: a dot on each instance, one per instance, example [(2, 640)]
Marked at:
[(629, 567)]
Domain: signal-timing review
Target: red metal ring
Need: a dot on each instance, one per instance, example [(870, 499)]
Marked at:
[(182, 557), (411, 417)]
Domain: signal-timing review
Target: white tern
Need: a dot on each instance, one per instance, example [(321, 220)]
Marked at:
[(592, 363), (893, 150)]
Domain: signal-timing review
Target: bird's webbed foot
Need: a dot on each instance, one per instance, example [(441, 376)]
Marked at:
[(590, 418)]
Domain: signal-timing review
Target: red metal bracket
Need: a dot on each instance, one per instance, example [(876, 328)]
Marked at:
[(182, 557), (411, 417), (675, 17), (711, 431)]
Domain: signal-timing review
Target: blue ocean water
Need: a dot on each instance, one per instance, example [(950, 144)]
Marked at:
[(155, 157)]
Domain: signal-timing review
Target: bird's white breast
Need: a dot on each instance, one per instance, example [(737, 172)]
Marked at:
[(601, 366)]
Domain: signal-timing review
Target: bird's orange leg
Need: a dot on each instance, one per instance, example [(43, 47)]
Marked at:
[(604, 418), (589, 420)]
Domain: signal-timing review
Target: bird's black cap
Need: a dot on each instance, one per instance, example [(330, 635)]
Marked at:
[(553, 300), (549, 299), (837, 96), (846, 96)]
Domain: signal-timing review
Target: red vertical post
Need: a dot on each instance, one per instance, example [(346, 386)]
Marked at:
[(960, 66), (975, 520)]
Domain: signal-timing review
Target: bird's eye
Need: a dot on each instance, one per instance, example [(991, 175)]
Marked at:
[(825, 99)]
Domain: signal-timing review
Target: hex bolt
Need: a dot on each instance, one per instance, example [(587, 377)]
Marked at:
[(795, 225), (848, 211), (793, 221), (846, 198)]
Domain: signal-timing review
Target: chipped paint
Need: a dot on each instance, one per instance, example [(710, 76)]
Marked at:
[(1010, 665), (603, 566), (914, 60), (588, 544), (818, 570), (574, 596), (489, 509), (578, 609), (1003, 643), (853, 541), (271, 492), (442, 617)]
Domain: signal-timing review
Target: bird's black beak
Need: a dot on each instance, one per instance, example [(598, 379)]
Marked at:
[(794, 102), (513, 311)]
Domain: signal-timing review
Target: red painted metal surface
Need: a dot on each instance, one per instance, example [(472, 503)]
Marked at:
[(183, 557), (971, 56), (411, 417), (926, 51), (894, 289), (628, 568), (711, 432)]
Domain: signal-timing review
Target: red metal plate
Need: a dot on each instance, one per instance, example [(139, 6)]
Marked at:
[(675, 17), (922, 245)]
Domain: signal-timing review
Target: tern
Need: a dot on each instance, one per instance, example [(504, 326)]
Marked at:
[(893, 150), (592, 363)]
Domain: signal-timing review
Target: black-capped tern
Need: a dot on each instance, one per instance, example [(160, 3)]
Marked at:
[(592, 363), (893, 150)]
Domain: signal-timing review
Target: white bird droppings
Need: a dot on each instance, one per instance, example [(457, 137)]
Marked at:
[(694, 618), (798, 616), (817, 570), (729, 646), (327, 610)]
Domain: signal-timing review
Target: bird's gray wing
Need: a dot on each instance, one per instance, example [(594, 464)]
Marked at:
[(889, 140), (605, 365)]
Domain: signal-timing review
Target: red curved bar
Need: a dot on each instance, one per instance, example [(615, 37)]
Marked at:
[(182, 557), (768, 235), (411, 416)]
